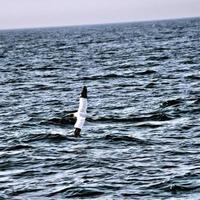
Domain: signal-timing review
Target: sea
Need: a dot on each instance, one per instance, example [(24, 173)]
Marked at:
[(141, 138)]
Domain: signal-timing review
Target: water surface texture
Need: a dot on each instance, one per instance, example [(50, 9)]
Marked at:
[(141, 139)]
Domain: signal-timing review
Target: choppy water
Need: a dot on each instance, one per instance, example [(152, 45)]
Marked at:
[(142, 136)]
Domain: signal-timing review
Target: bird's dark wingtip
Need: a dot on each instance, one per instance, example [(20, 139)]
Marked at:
[(84, 92)]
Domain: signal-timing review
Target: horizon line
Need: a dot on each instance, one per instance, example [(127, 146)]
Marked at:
[(97, 24)]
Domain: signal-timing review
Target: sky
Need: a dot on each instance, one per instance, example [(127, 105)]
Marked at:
[(49, 13)]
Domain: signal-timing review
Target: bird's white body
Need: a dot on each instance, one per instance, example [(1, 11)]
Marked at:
[(81, 114)]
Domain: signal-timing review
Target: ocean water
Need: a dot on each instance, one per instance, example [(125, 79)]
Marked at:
[(141, 139)]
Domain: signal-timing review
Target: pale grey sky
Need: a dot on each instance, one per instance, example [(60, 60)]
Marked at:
[(45, 13)]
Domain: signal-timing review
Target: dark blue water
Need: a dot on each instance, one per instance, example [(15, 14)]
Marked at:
[(142, 135)]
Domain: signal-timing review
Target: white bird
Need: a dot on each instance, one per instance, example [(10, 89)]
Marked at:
[(82, 112)]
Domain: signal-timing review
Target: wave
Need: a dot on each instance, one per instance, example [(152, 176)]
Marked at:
[(108, 76), (62, 121), (151, 85), (193, 77), (18, 147), (159, 116), (158, 58), (174, 188), (147, 72), (22, 191), (125, 138), (197, 101), (78, 192), (113, 76), (172, 102), (49, 137)]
